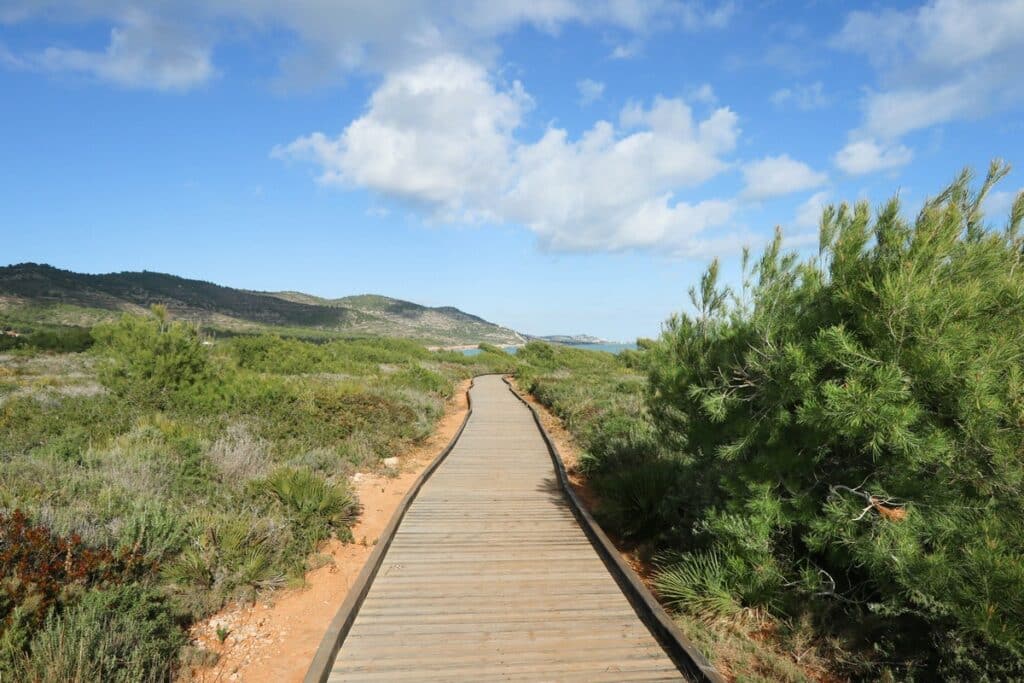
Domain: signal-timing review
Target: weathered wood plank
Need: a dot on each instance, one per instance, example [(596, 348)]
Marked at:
[(490, 577)]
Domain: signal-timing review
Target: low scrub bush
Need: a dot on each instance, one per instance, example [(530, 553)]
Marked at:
[(232, 555), (239, 455), (316, 506), (63, 426), (698, 583), (158, 363), (41, 573), (638, 500), (207, 473), (68, 339), (266, 353), (124, 634), (417, 377), (155, 530)]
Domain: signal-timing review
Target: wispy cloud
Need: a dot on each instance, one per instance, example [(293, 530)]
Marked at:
[(169, 46), (946, 60), (626, 50), (142, 53), (803, 96), (590, 90), (808, 214), (704, 94)]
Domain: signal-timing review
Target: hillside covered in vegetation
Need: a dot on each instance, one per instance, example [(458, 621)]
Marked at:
[(41, 294)]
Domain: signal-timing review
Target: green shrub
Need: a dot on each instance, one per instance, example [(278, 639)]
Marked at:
[(491, 348), (158, 363), (639, 502), (233, 555), (490, 360), (853, 424), (315, 505), (418, 377), (62, 426), (128, 634), (617, 441), (157, 531), (57, 339), (697, 583), (267, 353)]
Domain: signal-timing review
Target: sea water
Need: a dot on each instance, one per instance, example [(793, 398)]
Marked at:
[(610, 348)]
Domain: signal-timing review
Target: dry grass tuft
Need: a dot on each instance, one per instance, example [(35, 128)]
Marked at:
[(239, 455)]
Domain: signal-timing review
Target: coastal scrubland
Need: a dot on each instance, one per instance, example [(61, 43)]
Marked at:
[(820, 466), (157, 475)]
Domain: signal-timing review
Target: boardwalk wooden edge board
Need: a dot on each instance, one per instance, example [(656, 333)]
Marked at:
[(320, 667), (683, 653)]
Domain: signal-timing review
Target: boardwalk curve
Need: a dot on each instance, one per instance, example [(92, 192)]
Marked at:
[(486, 573)]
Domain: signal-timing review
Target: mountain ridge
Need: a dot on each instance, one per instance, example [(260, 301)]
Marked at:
[(44, 293)]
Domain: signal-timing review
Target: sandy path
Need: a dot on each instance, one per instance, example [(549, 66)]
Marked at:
[(275, 642)]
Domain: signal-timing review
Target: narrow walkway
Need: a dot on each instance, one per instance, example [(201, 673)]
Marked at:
[(490, 577)]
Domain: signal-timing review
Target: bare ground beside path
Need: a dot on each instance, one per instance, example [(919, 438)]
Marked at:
[(274, 641)]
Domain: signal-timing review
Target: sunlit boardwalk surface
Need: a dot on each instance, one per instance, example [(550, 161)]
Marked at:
[(490, 577)]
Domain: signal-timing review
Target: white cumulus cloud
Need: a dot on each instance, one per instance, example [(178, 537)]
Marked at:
[(779, 175), (437, 134), (442, 135), (868, 156), (614, 187)]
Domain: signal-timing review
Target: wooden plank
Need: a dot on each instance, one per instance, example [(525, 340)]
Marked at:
[(490, 576)]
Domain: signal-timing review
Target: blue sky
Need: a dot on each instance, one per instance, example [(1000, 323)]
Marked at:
[(558, 166)]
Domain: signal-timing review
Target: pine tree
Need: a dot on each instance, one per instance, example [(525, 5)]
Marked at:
[(853, 429)]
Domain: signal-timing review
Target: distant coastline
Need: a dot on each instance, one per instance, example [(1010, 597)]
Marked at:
[(607, 347)]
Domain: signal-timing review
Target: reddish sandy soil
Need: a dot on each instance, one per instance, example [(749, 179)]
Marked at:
[(275, 641)]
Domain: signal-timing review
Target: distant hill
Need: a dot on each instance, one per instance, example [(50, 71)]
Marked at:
[(40, 293), (570, 339)]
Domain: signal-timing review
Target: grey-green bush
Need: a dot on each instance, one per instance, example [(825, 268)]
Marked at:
[(126, 634)]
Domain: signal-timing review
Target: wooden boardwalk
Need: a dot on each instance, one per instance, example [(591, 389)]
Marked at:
[(490, 576)]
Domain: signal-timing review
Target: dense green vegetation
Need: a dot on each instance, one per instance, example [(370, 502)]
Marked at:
[(160, 474), (60, 338), (832, 454)]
